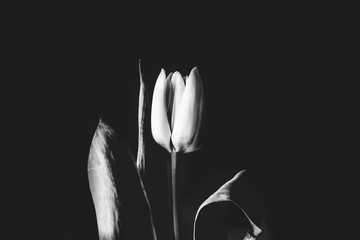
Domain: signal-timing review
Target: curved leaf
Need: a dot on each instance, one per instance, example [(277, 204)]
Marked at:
[(234, 211), (121, 205)]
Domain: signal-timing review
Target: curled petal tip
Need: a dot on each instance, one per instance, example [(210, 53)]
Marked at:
[(194, 69), (162, 73), (194, 72)]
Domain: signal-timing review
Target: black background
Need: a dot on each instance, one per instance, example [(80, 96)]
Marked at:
[(281, 101)]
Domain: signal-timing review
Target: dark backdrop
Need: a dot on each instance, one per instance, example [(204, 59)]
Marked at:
[(281, 101)]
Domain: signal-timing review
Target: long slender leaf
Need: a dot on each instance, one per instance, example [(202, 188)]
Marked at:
[(140, 160)]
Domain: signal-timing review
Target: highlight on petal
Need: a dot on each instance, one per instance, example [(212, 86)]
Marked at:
[(102, 185), (160, 127), (187, 124), (234, 211), (178, 86)]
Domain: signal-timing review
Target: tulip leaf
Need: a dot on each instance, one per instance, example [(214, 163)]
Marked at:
[(120, 201), (234, 211), (140, 160)]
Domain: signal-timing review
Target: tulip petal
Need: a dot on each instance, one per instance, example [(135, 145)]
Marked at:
[(159, 121), (187, 124), (178, 86)]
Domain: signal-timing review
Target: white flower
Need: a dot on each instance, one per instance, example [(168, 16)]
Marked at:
[(177, 111)]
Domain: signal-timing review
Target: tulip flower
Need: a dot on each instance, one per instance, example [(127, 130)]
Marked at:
[(176, 116), (177, 110), (122, 208)]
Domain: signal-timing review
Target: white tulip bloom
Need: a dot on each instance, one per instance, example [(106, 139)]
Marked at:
[(177, 111)]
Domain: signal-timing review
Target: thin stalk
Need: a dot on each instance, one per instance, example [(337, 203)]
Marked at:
[(176, 204)]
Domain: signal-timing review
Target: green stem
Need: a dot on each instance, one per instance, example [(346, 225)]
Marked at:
[(175, 196)]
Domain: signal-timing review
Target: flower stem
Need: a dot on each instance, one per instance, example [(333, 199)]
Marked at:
[(175, 195)]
